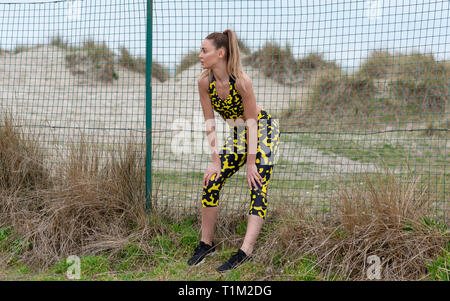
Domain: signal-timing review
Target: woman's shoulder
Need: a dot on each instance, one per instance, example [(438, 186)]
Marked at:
[(203, 81), (243, 82)]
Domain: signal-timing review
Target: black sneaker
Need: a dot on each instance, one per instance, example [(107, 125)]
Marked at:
[(237, 259), (201, 252)]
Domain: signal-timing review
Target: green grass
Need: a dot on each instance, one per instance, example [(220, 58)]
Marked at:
[(179, 179), (168, 261), (170, 252), (353, 150), (423, 156), (302, 270), (440, 268), (393, 153), (307, 183), (12, 245)]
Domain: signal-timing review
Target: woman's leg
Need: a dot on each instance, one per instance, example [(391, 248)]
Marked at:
[(254, 226), (268, 143), (209, 217), (230, 163), (258, 209)]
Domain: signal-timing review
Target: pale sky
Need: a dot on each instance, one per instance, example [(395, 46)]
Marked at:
[(344, 31)]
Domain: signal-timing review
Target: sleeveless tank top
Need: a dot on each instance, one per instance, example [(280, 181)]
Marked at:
[(229, 108)]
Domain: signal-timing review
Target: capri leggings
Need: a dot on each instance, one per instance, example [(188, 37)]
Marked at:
[(233, 156)]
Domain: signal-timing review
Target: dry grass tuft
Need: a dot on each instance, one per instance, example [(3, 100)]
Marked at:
[(274, 61), (187, 61), (93, 61), (420, 83), (20, 159), (377, 65), (384, 217), (385, 91), (280, 64), (337, 98), (138, 64), (94, 204), (128, 61)]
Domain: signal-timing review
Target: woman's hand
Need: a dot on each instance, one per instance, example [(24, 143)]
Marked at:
[(253, 177), (214, 168)]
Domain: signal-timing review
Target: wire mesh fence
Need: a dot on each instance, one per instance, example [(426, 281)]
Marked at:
[(73, 70), (359, 87)]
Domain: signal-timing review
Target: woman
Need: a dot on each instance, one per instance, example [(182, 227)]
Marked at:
[(225, 88)]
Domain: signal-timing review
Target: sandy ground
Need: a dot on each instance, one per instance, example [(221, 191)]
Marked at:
[(43, 95), (49, 101)]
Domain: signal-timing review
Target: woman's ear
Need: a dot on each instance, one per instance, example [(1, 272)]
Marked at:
[(222, 52)]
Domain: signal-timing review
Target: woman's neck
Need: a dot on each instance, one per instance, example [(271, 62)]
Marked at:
[(221, 75)]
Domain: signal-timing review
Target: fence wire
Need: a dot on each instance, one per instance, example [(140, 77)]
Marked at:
[(359, 87)]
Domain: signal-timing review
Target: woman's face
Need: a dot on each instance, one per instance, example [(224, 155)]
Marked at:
[(209, 55)]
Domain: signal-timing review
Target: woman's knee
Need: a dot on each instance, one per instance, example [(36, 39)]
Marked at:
[(211, 192), (258, 204), (258, 207)]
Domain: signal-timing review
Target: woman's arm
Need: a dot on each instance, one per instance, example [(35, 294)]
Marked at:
[(245, 89), (208, 113)]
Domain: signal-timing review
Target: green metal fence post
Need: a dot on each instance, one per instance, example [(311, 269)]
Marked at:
[(148, 109)]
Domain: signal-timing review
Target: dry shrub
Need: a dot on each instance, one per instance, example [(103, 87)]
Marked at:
[(93, 61), (384, 217), (420, 83), (20, 159), (377, 65), (243, 47), (94, 202), (274, 61), (337, 98), (187, 61), (138, 64), (386, 90), (4, 51), (21, 174), (345, 95), (128, 61), (230, 227), (160, 71), (314, 61), (59, 42), (23, 48), (280, 64)]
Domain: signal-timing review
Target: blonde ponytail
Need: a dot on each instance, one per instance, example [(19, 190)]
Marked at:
[(234, 66)]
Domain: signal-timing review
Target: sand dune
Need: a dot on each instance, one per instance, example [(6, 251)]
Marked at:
[(41, 92)]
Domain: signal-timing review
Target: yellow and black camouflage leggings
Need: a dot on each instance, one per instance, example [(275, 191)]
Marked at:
[(233, 156)]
